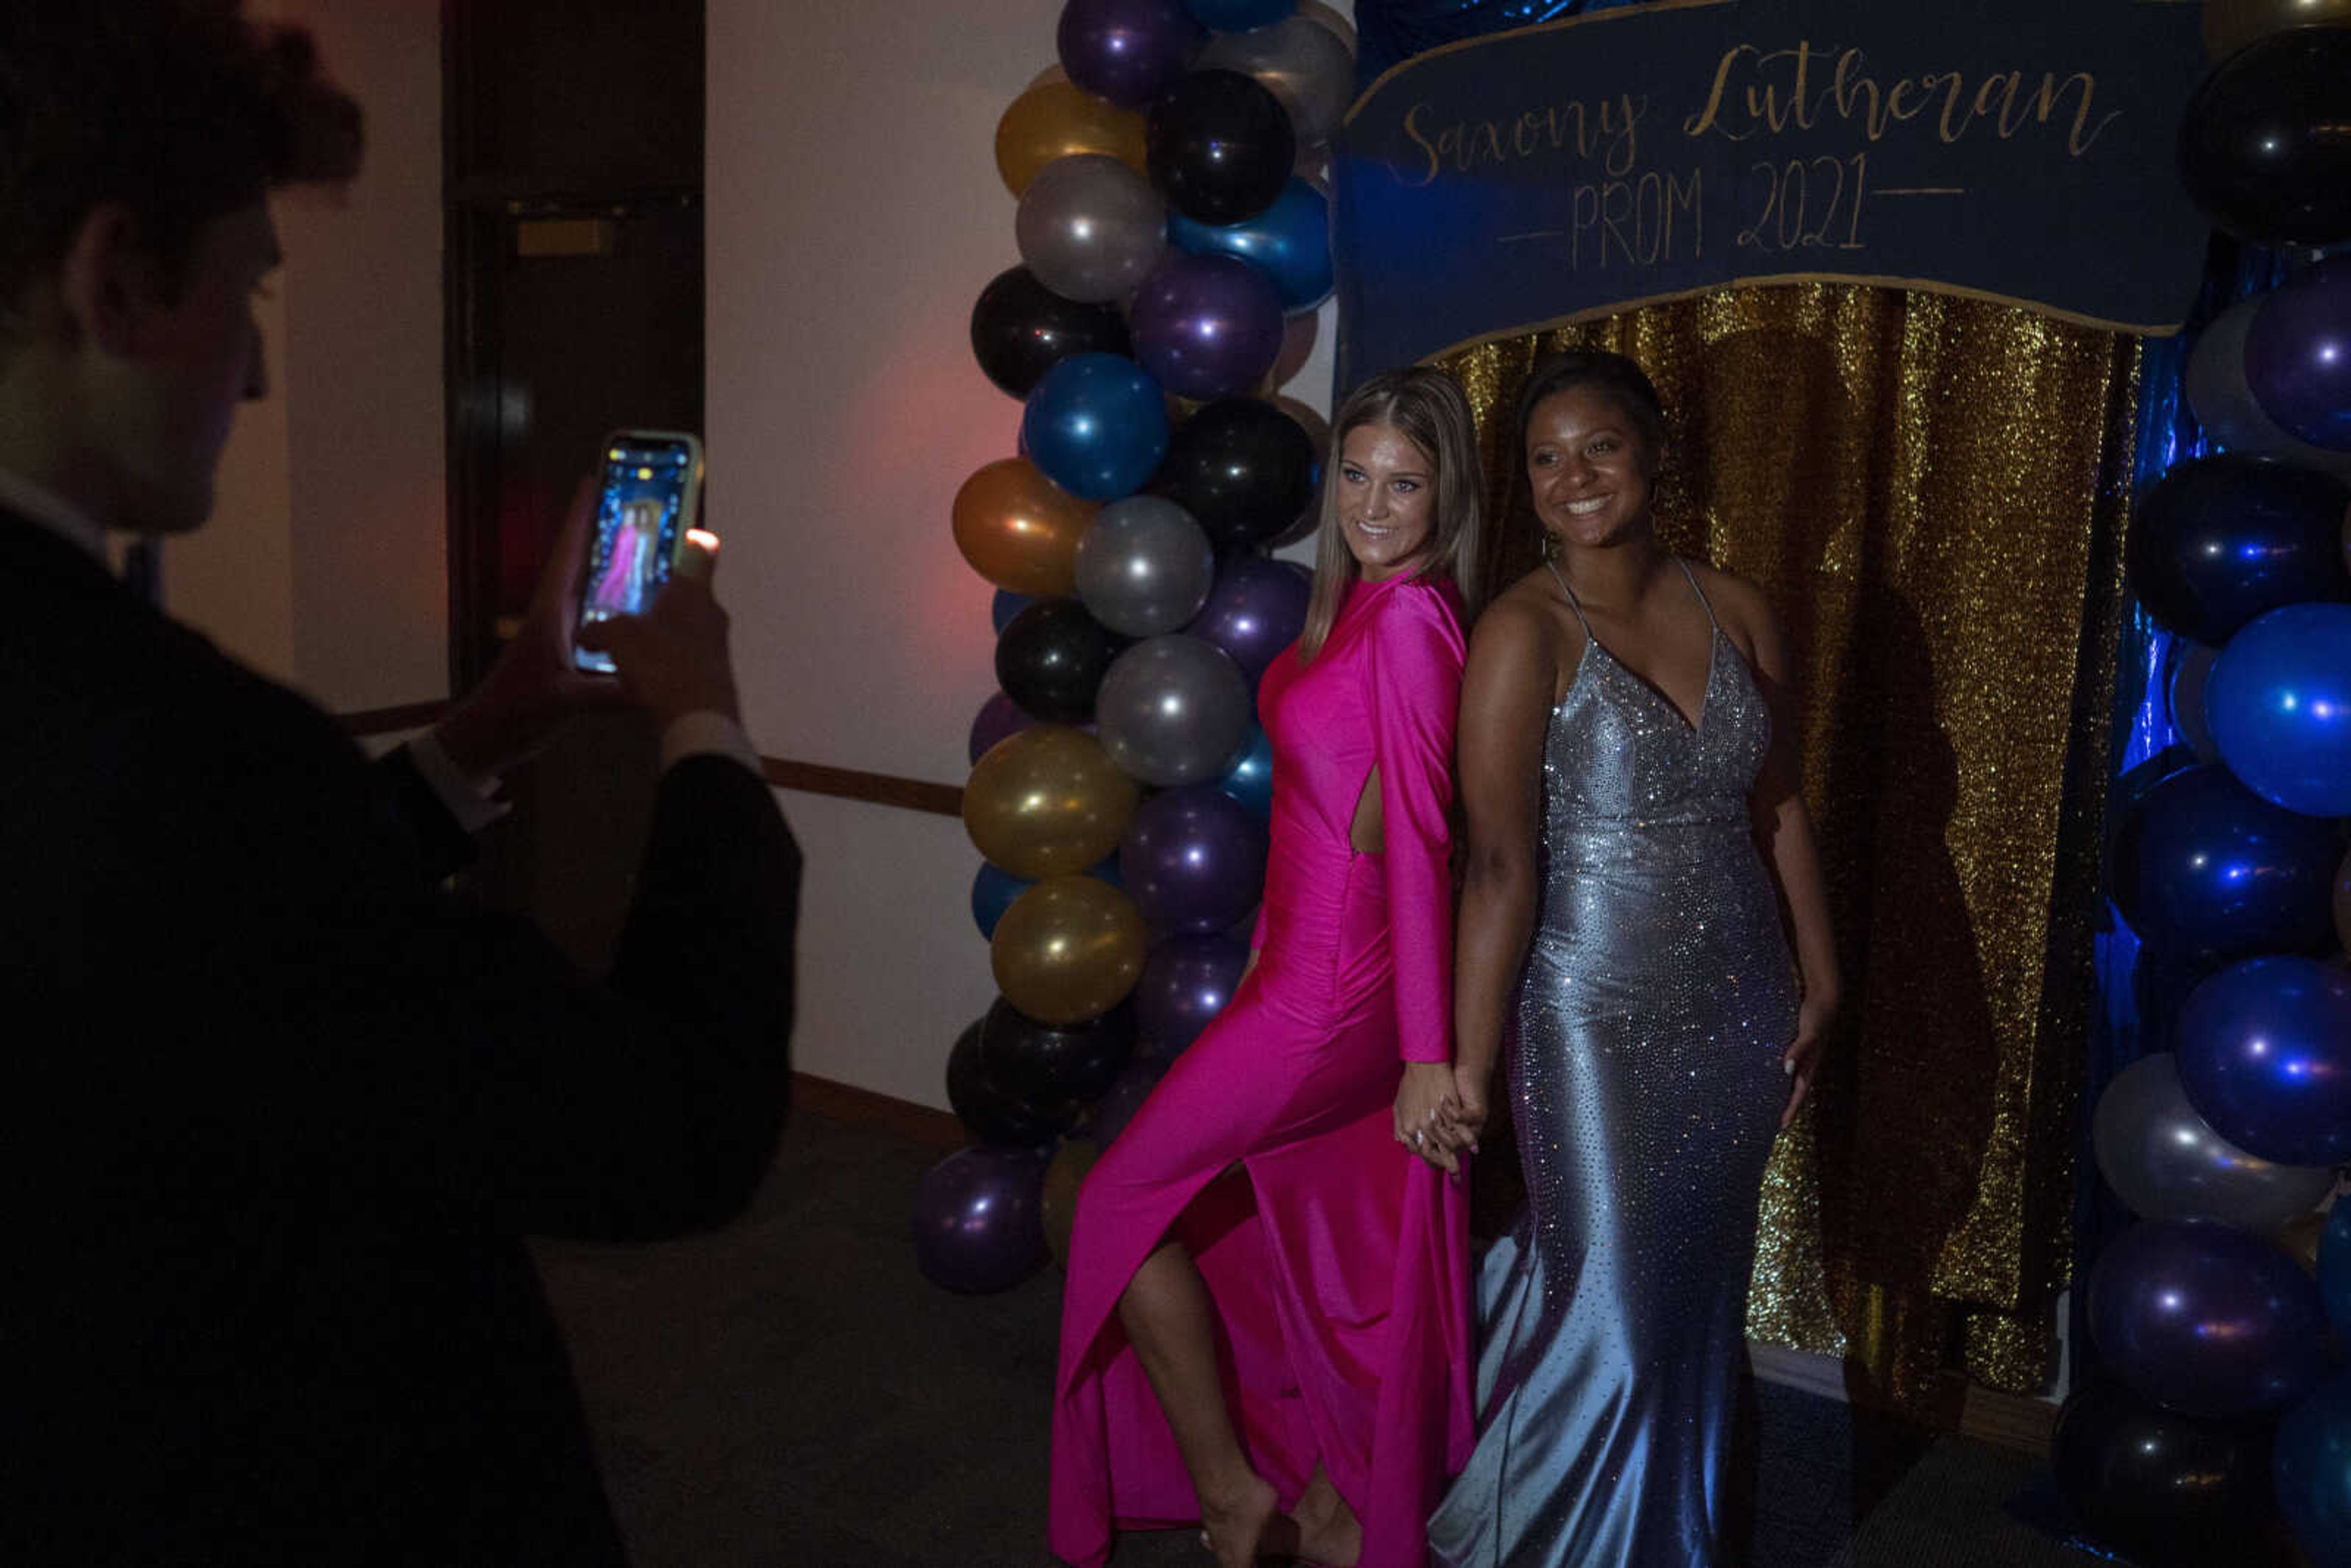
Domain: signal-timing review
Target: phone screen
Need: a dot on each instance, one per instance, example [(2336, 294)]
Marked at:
[(643, 506)]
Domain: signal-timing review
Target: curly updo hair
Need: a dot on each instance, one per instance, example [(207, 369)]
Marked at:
[(1613, 376)]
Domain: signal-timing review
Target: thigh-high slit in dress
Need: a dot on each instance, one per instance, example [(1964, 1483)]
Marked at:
[(1336, 1259)]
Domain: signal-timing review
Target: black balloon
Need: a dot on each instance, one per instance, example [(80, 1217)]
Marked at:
[(1020, 329), (1244, 469), (993, 1112), (2165, 1488), (2221, 540), (1052, 658), (1219, 146), (1055, 1063), (2265, 143)]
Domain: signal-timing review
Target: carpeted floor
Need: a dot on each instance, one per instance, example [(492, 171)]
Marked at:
[(792, 1393)]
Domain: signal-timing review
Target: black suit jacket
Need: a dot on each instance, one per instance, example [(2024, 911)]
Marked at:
[(278, 1111)]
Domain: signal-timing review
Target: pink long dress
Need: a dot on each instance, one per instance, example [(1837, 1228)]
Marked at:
[(1338, 1262)]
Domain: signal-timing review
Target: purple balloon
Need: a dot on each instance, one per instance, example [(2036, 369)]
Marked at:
[(1206, 326), (2298, 355), (1186, 981), (1193, 860), (1127, 50), (999, 717), (2264, 1050), (2207, 1320), (979, 1222), (1117, 1107), (1255, 609)]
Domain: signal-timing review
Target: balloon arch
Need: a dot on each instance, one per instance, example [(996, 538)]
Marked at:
[(1173, 240)]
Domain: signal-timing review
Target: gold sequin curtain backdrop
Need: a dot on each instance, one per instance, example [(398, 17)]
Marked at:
[(1932, 493)]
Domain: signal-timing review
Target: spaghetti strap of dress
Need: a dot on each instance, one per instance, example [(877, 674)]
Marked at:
[(1552, 568)]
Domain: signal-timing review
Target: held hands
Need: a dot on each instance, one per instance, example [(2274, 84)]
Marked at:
[(1802, 1061), (1425, 1107)]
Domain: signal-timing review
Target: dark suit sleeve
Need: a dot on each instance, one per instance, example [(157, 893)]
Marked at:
[(410, 1037), (446, 846)]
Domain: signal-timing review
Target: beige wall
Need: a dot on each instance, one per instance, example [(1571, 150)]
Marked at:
[(326, 562), (855, 214)]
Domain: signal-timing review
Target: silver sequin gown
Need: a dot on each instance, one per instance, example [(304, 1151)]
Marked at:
[(1647, 1086)]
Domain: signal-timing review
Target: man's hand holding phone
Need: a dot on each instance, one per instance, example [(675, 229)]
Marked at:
[(673, 660)]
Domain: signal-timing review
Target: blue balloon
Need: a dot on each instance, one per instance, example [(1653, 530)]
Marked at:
[(2204, 869), (2207, 1320), (993, 889), (2279, 702), (1251, 781), (1008, 604), (1096, 426), (2264, 1050), (2312, 1468), (2334, 1269), (1290, 242), (1238, 16), (2218, 540)]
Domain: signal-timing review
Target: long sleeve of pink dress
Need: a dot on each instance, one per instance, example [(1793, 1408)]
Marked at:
[(1337, 1260)]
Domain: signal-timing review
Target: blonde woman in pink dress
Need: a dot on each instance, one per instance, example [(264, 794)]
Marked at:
[(1265, 1327)]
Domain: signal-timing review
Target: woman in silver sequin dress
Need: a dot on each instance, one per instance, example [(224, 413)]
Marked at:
[(1629, 777)]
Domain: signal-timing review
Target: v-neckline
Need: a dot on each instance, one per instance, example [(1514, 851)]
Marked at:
[(1693, 727)]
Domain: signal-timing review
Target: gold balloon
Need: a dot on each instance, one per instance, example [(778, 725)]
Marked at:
[(1047, 801), (1071, 1163), (1018, 530), (1055, 118), (1068, 950), (2230, 24)]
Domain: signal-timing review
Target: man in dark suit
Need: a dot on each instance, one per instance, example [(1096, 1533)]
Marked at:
[(278, 1108)]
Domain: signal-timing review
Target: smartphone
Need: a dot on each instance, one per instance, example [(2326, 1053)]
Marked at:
[(646, 499)]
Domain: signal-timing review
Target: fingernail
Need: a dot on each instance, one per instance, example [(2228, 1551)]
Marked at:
[(1787, 1065)]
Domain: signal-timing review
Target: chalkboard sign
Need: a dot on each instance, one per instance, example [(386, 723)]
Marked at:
[(2016, 150)]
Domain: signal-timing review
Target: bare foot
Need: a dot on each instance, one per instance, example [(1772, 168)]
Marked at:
[(1247, 1525), (1327, 1532)]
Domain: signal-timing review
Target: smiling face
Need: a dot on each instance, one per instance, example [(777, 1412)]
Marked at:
[(1388, 500), (1590, 469)]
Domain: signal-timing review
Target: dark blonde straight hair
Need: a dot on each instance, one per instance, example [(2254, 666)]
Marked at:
[(1429, 409)]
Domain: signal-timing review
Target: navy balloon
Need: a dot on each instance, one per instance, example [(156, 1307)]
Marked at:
[(1238, 16), (1251, 781), (1290, 242), (999, 717), (993, 889), (978, 1218), (992, 1112), (2298, 354), (2205, 1319), (1006, 604), (2334, 1269), (2311, 1466), (1242, 467), (1096, 426), (2279, 702), (1186, 981), (1255, 609), (1206, 326), (1052, 659), (1194, 859), (2264, 1050), (2204, 869), (1127, 50), (2218, 540)]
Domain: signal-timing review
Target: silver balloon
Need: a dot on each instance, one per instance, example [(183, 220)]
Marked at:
[(1304, 63), (1144, 567), (1173, 710), (2232, 418), (1090, 227), (2167, 1163), (2188, 677)]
